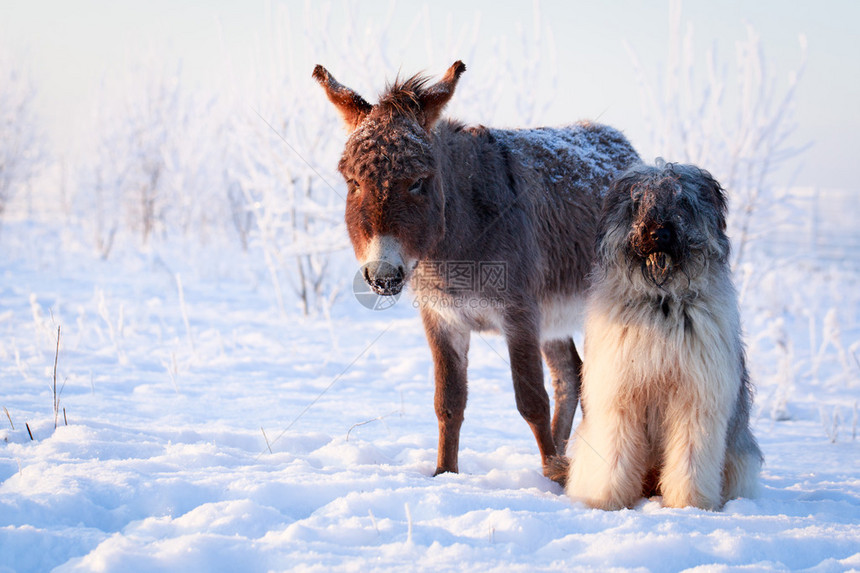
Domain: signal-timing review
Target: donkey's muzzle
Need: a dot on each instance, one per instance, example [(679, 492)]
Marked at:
[(384, 278)]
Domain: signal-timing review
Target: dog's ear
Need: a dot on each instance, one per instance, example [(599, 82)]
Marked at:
[(618, 197), (716, 194)]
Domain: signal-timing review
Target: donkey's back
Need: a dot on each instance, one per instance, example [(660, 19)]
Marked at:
[(568, 171), (531, 198)]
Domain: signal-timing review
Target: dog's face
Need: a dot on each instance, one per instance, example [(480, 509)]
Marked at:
[(667, 222)]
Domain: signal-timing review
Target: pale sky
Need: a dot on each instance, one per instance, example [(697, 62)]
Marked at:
[(70, 46)]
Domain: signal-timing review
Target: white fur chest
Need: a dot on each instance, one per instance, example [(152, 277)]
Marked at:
[(653, 338)]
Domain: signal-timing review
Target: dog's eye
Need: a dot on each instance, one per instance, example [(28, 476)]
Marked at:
[(417, 187), (685, 204)]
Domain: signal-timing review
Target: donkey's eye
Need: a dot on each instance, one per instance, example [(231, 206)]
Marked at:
[(417, 188)]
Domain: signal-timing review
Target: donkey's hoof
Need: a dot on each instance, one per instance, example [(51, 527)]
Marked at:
[(556, 469), (441, 470)]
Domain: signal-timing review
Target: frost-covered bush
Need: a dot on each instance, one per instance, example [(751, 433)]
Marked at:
[(740, 128), (154, 163), (280, 152), (255, 162), (21, 140), (285, 204)]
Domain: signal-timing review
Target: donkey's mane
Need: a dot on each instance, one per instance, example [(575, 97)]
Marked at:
[(403, 96)]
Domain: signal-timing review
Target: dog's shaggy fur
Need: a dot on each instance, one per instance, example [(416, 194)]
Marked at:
[(665, 393)]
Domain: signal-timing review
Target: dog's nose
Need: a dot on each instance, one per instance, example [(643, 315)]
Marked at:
[(662, 237)]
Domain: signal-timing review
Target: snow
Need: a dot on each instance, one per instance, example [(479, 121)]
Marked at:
[(209, 432), (212, 419)]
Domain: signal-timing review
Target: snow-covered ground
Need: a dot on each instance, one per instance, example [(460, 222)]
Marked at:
[(207, 432)]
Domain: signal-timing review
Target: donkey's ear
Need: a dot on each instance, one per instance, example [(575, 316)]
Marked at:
[(351, 106), (434, 98)]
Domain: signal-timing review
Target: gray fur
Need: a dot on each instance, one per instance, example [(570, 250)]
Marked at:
[(665, 390)]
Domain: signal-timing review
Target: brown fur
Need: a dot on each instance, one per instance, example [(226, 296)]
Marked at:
[(426, 194)]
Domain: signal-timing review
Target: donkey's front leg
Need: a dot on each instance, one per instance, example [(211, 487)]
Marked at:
[(449, 345), (530, 393)]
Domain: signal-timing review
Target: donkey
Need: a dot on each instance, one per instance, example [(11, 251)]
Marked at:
[(495, 230)]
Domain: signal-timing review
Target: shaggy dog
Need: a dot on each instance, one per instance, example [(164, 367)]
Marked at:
[(665, 392)]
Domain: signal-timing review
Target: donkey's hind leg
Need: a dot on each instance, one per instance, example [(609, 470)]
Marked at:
[(565, 367)]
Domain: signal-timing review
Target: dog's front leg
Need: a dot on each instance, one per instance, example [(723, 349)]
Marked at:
[(609, 457), (694, 454), (697, 417), (609, 454), (449, 345)]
